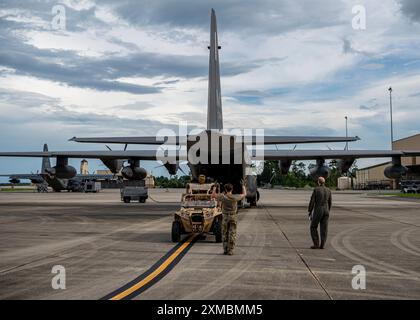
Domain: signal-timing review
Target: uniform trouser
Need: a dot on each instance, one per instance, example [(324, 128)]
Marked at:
[(319, 218), (229, 231)]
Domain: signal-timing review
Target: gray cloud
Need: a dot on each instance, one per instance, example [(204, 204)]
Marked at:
[(76, 20), (37, 110), (68, 67), (411, 8), (273, 16), (349, 49)]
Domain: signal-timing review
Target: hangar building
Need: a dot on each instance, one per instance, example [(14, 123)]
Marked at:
[(373, 177)]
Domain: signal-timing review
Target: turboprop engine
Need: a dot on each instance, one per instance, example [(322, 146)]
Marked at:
[(62, 170), (134, 171), (284, 166), (396, 170), (345, 164), (114, 165), (320, 170)]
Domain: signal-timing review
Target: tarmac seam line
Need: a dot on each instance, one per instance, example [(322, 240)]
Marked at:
[(300, 256)]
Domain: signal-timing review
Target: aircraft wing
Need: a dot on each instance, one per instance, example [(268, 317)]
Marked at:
[(27, 176), (330, 154), (95, 176), (176, 140), (128, 154)]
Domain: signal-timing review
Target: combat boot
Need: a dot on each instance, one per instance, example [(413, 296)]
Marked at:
[(316, 245)]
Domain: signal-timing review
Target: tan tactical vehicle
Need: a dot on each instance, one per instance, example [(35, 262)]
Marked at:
[(198, 214)]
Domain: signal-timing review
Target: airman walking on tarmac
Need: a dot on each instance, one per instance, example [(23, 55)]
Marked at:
[(229, 204), (319, 213)]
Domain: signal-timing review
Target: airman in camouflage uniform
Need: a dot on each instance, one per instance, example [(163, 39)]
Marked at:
[(320, 204), (229, 204)]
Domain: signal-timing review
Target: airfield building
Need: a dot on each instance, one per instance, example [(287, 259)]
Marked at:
[(373, 177), (84, 167)]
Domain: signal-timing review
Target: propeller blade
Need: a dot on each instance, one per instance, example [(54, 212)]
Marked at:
[(125, 147), (108, 148)]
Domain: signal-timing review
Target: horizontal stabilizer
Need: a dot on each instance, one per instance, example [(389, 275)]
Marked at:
[(296, 139), (147, 140), (176, 140)]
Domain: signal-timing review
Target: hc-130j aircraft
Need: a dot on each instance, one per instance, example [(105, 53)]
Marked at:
[(215, 161)]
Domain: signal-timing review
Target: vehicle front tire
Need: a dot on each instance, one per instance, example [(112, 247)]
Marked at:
[(176, 231), (127, 199), (217, 230)]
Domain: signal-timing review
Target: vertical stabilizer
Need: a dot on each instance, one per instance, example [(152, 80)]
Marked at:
[(214, 107), (46, 164)]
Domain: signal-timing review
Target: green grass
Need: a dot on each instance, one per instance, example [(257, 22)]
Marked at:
[(406, 195), (15, 189)]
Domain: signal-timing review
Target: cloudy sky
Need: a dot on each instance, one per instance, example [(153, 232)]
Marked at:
[(133, 67)]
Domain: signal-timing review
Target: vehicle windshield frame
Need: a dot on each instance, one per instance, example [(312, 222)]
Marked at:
[(198, 201)]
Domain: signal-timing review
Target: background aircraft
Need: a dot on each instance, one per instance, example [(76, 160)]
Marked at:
[(219, 171), (47, 176)]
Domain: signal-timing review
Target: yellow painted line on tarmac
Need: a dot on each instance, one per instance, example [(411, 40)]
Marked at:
[(137, 286)]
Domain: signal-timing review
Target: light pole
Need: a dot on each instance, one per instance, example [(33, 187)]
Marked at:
[(347, 134), (390, 108)]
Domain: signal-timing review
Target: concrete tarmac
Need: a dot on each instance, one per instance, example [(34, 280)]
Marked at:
[(103, 244)]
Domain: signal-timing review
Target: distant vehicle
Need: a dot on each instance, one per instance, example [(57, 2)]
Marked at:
[(129, 194), (74, 186), (199, 213), (410, 186), (92, 186)]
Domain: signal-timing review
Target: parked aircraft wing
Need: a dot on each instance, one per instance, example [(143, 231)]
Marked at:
[(128, 154), (330, 154), (27, 176), (95, 176)]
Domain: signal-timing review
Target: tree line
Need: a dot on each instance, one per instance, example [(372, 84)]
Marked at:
[(297, 177)]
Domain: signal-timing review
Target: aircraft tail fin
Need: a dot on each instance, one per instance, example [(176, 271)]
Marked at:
[(214, 106), (46, 164)]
